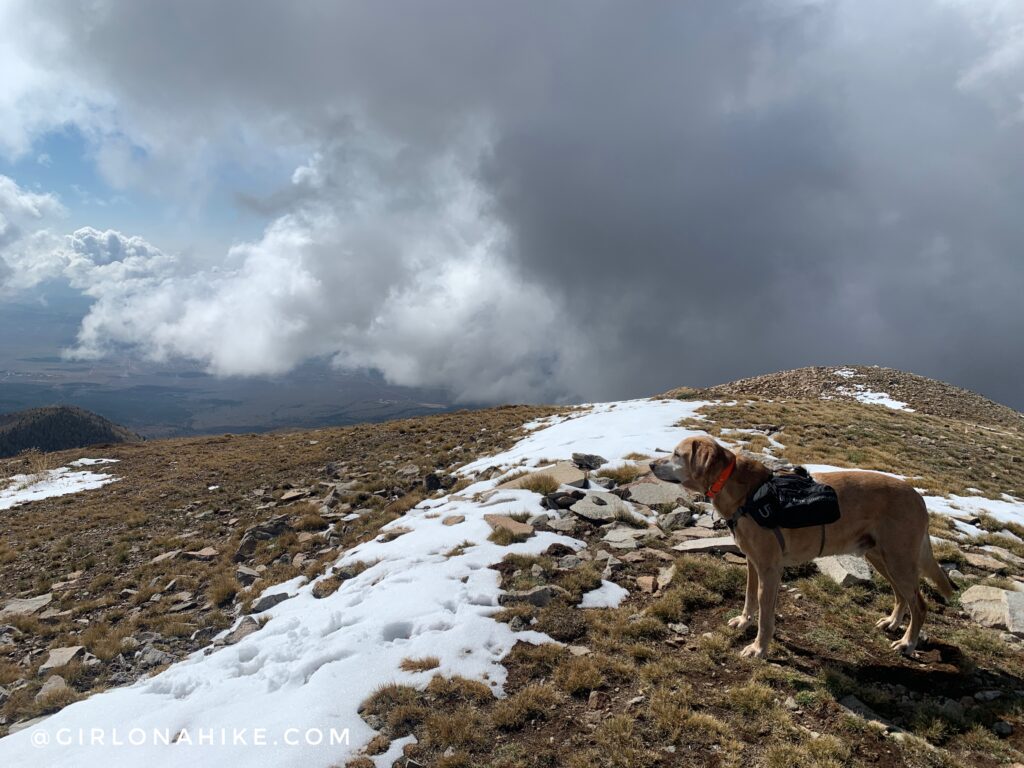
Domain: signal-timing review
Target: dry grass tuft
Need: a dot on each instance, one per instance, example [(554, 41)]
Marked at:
[(424, 664), (539, 483), (623, 475)]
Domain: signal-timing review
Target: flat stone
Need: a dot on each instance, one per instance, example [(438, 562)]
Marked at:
[(508, 524), (589, 461), (714, 544), (267, 602), (677, 518), (25, 606), (645, 584), (694, 532), (624, 537), (985, 562), (165, 557), (295, 494), (246, 575), (859, 708), (734, 559), (579, 650), (154, 657), (54, 684), (994, 607), (26, 724), (59, 657), (704, 521), (845, 570), (538, 596), (562, 472), (454, 520), (1004, 554), (600, 507), (652, 492), (205, 554), (563, 525)]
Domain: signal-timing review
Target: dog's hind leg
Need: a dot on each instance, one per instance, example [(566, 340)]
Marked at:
[(746, 618), (891, 622), (906, 579)]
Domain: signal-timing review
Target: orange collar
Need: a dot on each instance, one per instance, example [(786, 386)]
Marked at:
[(717, 486)]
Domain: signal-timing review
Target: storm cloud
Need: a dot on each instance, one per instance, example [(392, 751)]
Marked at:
[(554, 200)]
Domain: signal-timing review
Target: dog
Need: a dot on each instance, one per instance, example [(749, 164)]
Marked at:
[(881, 517)]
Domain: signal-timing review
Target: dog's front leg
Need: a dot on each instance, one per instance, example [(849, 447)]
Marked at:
[(746, 618), (767, 592)]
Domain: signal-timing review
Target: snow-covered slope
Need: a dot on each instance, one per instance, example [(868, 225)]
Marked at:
[(283, 694), (54, 482)]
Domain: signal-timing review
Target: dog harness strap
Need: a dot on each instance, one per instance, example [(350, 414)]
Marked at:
[(782, 541), (722, 479)]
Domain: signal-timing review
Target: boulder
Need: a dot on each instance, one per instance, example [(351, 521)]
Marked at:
[(652, 492), (645, 584), (264, 531), (712, 544), (994, 607), (245, 627), (508, 524), (60, 657), (453, 520), (246, 575), (562, 472), (600, 507), (267, 602), (677, 518), (25, 606), (54, 684), (588, 461), (562, 525), (845, 570), (408, 472), (154, 657), (1004, 554)]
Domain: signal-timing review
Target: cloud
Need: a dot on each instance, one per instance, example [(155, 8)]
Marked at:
[(526, 200), (27, 247)]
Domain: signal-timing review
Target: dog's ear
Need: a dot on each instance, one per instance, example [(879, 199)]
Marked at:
[(707, 460)]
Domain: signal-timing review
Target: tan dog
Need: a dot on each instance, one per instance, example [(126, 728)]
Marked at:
[(882, 518)]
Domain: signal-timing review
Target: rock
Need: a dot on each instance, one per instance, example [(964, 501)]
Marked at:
[(264, 531), (431, 483), (985, 562), (604, 482), (165, 557), (295, 494), (599, 700), (677, 518), (845, 570), (612, 564), (588, 461), (713, 544), (1002, 729), (246, 575), (4, 695), (1004, 554), (568, 562), (732, 559), (245, 627), (60, 657), (679, 629), (994, 607), (652, 492), (858, 707), (206, 554), (129, 644), (645, 584), (694, 532), (665, 576), (267, 602), (25, 606), (538, 596), (563, 525), (408, 472), (705, 521), (54, 684), (508, 524), (562, 472), (26, 724), (579, 650), (154, 657), (454, 520), (599, 507)]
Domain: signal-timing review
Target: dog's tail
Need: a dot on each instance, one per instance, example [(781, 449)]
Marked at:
[(933, 571)]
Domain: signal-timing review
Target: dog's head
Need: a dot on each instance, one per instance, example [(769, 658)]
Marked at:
[(694, 464)]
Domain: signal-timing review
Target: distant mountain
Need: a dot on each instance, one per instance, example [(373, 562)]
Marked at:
[(57, 428)]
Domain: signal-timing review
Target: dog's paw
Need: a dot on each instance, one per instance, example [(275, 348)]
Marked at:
[(741, 622), (903, 646), (754, 651), (887, 624)]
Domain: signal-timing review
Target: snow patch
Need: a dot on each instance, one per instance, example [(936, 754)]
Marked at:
[(21, 489), (863, 394), (608, 595)]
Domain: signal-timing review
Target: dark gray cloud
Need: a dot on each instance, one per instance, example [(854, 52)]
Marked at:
[(669, 193)]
